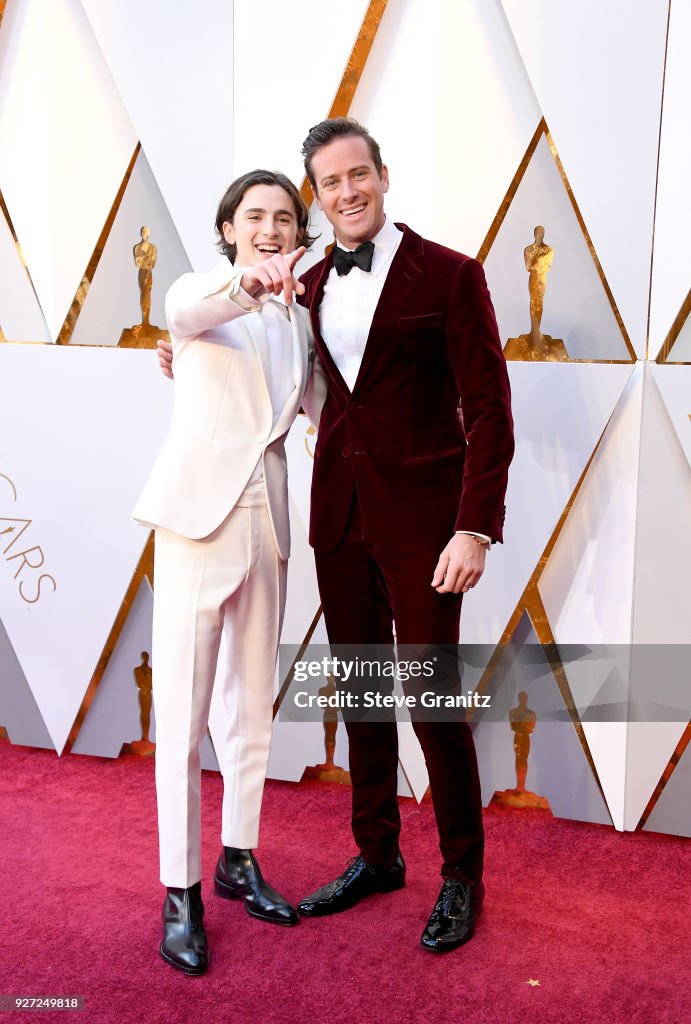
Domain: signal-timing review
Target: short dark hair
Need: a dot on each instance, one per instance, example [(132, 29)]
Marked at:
[(337, 128), (234, 194)]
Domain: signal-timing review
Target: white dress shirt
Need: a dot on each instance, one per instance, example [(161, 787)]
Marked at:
[(349, 302)]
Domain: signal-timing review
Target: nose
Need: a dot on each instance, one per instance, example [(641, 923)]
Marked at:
[(270, 228), (348, 190)]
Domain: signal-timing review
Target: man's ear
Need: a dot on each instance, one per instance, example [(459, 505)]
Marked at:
[(228, 232), (316, 197), (384, 178)]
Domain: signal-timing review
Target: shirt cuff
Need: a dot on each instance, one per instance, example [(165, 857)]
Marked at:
[(480, 536), (232, 289), (242, 298)]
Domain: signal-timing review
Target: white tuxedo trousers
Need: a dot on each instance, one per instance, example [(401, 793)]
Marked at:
[(230, 585)]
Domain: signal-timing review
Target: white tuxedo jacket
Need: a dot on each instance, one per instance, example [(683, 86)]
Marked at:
[(222, 417)]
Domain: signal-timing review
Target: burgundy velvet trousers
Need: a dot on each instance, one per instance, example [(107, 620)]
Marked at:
[(364, 592)]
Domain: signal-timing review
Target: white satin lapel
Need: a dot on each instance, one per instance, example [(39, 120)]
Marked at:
[(300, 363), (300, 346), (254, 325)]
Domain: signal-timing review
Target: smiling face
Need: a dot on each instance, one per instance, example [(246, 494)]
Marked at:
[(350, 190), (264, 223)]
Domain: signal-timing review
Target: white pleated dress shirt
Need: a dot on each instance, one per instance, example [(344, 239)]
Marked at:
[(349, 302)]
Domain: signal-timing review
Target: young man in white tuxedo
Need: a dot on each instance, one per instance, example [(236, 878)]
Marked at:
[(218, 500)]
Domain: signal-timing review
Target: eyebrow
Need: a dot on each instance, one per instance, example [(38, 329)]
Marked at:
[(351, 170), (260, 209)]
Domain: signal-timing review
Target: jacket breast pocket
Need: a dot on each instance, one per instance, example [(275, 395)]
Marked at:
[(447, 453), (428, 321), (185, 438)]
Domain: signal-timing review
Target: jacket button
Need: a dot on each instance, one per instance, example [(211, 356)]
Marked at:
[(345, 452)]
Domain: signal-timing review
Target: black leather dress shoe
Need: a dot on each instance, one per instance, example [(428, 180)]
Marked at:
[(184, 939), (237, 877), (357, 881), (452, 922)]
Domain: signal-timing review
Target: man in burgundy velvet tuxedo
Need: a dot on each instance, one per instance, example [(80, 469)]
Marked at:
[(405, 500)]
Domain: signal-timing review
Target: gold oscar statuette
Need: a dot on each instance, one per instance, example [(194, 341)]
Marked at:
[(523, 721), (328, 771), (536, 346), (145, 334), (142, 679)]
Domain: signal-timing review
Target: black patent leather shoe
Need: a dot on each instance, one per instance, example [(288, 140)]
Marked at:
[(237, 877), (184, 939), (452, 922), (357, 881)]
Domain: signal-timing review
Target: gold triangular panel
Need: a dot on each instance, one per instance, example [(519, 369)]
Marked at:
[(120, 709), (597, 72), (674, 383), (669, 808), (114, 298), (144, 571), (531, 749), (676, 347), (21, 315), (543, 270), (21, 717)]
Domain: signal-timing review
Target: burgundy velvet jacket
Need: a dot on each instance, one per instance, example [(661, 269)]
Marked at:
[(420, 470)]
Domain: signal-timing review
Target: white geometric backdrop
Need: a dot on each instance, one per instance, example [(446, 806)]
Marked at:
[(554, 106)]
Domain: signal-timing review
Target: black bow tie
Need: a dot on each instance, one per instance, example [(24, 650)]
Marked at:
[(345, 260)]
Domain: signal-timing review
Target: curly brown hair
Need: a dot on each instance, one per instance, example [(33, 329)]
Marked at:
[(234, 194)]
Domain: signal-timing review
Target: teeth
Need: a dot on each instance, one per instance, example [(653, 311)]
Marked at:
[(351, 213), (268, 248)]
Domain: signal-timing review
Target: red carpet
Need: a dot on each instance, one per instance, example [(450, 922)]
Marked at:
[(600, 919)]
